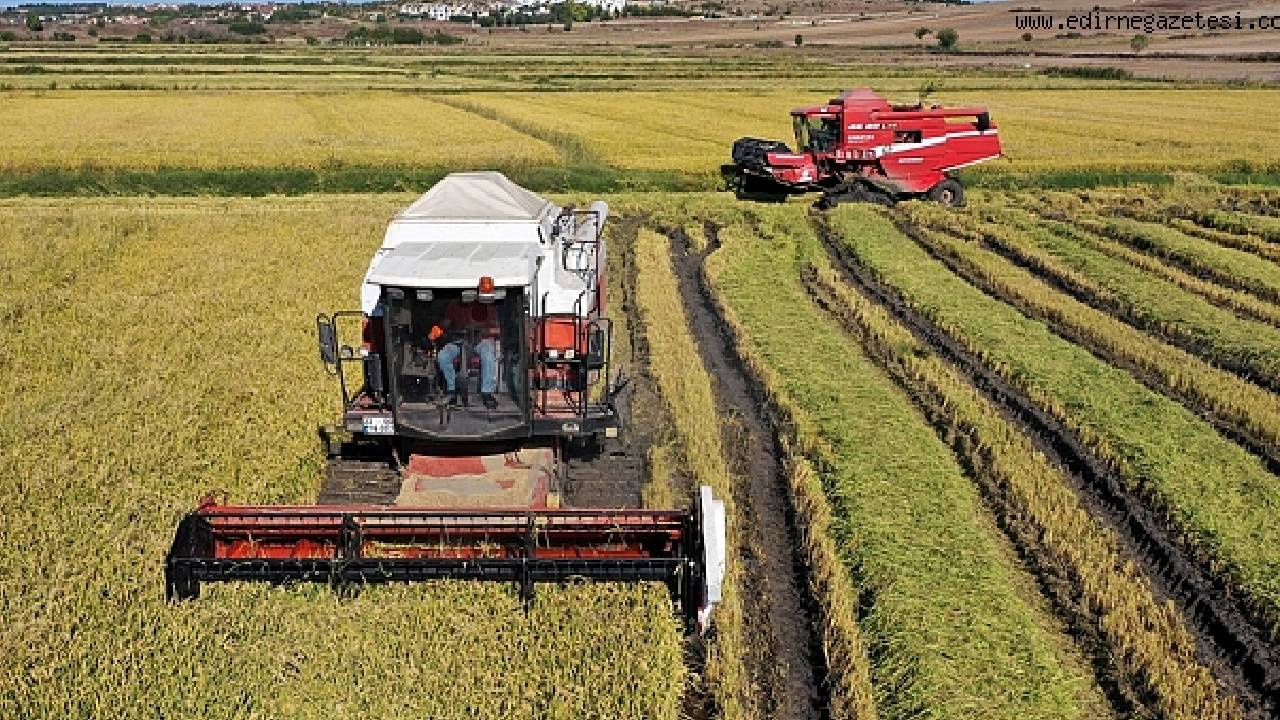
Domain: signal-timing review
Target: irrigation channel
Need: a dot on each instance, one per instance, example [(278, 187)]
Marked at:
[(1228, 640)]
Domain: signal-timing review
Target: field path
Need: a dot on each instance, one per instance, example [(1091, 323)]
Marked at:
[(782, 612)]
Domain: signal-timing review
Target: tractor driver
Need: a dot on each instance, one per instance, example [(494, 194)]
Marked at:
[(478, 321)]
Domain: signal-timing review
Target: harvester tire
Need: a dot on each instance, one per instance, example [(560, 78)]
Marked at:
[(949, 192)]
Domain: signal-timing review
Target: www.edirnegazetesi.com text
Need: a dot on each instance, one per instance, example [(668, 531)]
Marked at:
[(1148, 23)]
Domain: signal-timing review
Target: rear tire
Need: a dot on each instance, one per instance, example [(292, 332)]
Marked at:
[(949, 192)]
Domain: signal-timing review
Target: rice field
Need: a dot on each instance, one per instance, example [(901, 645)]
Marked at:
[(1042, 130), (1015, 460), (203, 131), (165, 349)]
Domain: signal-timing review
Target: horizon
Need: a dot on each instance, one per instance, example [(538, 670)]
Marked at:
[(16, 4)]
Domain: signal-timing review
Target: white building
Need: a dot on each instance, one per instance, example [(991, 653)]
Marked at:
[(433, 11), (611, 6)]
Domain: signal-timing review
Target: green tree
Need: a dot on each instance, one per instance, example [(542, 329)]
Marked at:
[(1138, 43), (921, 32), (947, 39), (1026, 37), (799, 39), (33, 22)]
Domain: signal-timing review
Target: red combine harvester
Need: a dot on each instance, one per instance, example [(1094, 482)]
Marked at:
[(858, 147), (483, 371)]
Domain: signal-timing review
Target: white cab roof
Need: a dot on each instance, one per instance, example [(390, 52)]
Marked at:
[(456, 264), (483, 197)]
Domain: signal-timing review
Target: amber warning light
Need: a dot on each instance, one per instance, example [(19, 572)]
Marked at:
[(487, 292)]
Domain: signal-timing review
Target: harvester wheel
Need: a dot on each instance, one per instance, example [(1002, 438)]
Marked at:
[(949, 192)]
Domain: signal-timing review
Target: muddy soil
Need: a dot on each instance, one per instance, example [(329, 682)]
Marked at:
[(1229, 639), (787, 666)]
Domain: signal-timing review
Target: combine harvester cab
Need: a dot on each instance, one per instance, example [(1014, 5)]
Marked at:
[(859, 147), (484, 358)]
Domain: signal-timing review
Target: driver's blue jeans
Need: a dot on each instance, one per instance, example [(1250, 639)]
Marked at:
[(488, 352)]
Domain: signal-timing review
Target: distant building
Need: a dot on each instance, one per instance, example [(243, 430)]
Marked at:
[(610, 6), (433, 11)]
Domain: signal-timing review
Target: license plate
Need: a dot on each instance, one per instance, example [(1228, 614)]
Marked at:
[(379, 426)]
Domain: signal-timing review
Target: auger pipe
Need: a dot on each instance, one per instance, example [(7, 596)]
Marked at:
[(351, 545)]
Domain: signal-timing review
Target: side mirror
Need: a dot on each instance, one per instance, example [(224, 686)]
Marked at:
[(327, 338)]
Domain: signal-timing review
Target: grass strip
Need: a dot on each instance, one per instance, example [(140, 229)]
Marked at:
[(1245, 408), (338, 178), (998, 178), (1230, 267), (1149, 652), (1214, 491), (950, 630), (1074, 260)]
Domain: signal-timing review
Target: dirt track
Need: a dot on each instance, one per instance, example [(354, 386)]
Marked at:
[(789, 666)]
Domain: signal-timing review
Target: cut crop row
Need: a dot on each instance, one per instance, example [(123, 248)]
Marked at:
[(1242, 409), (1262, 229), (1191, 211), (1209, 225), (686, 394), (1244, 304), (953, 624), (1209, 488), (1140, 644), (1226, 266), (1073, 259)]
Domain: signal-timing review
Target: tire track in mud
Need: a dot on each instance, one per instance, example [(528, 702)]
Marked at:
[(617, 479), (1133, 316), (789, 668), (1231, 637), (1232, 430)]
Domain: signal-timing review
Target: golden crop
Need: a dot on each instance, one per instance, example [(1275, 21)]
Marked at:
[(693, 131), (155, 350), (207, 130)]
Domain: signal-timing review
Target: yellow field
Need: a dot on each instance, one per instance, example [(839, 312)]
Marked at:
[(1157, 129), (686, 131), (154, 350), (195, 130), (1041, 129)]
